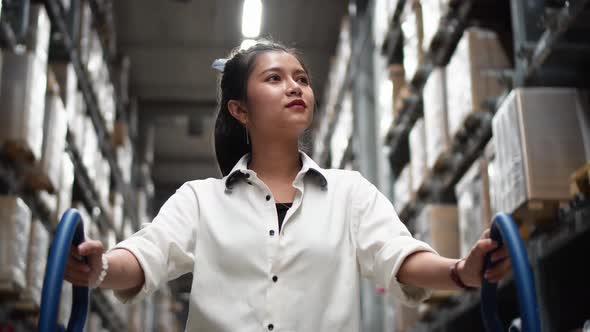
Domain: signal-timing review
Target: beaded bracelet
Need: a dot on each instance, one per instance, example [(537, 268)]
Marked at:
[(103, 272), (456, 279)]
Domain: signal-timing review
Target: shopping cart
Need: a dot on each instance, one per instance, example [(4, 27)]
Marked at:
[(70, 231), (505, 232)]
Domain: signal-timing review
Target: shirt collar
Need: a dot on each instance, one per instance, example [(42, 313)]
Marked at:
[(309, 167)]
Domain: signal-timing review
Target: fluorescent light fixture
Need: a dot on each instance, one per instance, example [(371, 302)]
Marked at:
[(251, 18), (247, 43)]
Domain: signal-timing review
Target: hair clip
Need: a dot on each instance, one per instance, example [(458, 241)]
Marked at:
[(219, 65)]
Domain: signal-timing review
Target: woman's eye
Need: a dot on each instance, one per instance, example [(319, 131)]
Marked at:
[(303, 80), (273, 78)]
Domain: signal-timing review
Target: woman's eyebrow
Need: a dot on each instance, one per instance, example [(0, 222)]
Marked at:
[(279, 69)]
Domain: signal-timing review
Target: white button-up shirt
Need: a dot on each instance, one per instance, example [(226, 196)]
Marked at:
[(249, 277)]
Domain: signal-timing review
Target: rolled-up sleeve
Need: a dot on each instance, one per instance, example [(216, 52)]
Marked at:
[(383, 242), (164, 247)]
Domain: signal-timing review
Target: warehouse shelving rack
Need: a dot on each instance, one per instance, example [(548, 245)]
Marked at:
[(12, 173), (546, 54)]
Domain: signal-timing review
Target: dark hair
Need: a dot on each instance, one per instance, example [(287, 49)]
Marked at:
[(230, 134)]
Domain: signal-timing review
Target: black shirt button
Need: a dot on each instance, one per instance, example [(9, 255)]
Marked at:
[(250, 183), (271, 327), (268, 197), (271, 232), (247, 175), (275, 278)]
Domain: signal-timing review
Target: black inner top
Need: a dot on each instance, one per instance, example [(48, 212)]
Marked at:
[(282, 209)]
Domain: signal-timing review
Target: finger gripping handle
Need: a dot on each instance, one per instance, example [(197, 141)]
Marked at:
[(70, 231), (505, 232)]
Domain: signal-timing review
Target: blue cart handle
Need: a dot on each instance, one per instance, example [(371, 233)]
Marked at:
[(70, 231), (505, 232)]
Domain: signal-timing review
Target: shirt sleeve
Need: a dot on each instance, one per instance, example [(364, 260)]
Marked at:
[(383, 242), (164, 247)]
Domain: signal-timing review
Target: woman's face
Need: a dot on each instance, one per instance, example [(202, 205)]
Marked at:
[(280, 99)]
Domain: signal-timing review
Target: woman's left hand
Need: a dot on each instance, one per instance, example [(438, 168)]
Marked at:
[(470, 269)]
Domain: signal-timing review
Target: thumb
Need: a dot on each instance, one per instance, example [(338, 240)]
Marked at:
[(485, 245)]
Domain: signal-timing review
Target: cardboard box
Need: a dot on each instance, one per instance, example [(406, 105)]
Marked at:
[(538, 143), (432, 14), (438, 225), (418, 156), (36, 262), (55, 128), (411, 23), (478, 54), (436, 124), (473, 204), (402, 189), (38, 33), (15, 225), (22, 103)]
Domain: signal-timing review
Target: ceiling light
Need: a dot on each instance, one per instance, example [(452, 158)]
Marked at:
[(247, 43), (251, 18)]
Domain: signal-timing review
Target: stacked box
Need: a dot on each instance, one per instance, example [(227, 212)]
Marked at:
[(38, 32), (418, 157), (438, 225), (436, 124), (537, 148), (36, 262), (402, 189), (55, 128), (432, 13), (22, 102), (411, 23), (68, 83), (15, 224), (472, 193), (478, 54), (66, 187)]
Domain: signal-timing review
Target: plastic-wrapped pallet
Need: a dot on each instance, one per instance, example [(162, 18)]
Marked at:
[(402, 189), (432, 13), (65, 192), (15, 223), (435, 116), (65, 304), (22, 102), (472, 193), (38, 32), (55, 128), (418, 157), (478, 54), (413, 35), (36, 262), (539, 144), (68, 83), (438, 225)]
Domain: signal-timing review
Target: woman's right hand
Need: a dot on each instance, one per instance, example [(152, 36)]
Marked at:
[(81, 273)]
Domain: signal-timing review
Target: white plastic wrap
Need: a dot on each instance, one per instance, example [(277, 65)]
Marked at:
[(438, 225), (64, 195), (472, 201), (55, 128), (478, 54), (38, 32), (537, 148), (435, 116), (417, 140), (402, 189), (22, 101), (432, 12), (68, 84), (36, 261), (15, 223), (411, 23)]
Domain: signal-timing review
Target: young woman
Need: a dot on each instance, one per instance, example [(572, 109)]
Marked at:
[(278, 243)]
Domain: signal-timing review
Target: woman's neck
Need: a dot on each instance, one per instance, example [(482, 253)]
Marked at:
[(275, 160)]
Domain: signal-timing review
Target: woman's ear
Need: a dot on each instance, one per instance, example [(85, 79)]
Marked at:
[(238, 111)]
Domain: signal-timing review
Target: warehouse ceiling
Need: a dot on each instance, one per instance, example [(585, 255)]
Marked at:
[(171, 45)]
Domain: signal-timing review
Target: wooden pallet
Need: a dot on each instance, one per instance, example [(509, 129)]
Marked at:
[(18, 151), (580, 181), (536, 215)]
